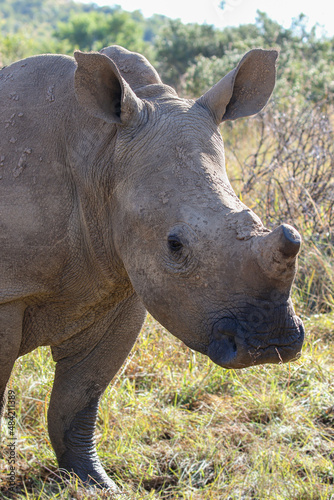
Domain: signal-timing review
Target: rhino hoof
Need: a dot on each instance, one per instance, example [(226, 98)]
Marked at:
[(89, 471)]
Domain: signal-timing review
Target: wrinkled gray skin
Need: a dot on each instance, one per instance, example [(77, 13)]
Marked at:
[(114, 200)]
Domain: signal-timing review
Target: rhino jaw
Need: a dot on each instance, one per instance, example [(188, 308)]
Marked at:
[(231, 350)]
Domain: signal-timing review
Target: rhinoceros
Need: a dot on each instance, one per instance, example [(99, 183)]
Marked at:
[(115, 200)]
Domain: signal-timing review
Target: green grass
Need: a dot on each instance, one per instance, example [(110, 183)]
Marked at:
[(175, 426)]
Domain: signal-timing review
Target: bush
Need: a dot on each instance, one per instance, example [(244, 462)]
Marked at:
[(289, 177)]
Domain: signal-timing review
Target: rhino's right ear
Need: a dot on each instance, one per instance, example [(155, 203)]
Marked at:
[(102, 91), (245, 90)]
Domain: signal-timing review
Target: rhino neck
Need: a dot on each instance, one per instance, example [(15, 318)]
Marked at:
[(65, 156), (90, 156), (85, 153)]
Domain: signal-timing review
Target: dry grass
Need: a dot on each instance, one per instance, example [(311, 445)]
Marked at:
[(175, 426)]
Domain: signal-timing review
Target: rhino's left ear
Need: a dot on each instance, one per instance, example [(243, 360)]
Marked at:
[(245, 90), (102, 91)]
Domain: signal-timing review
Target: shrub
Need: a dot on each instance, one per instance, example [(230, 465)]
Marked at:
[(289, 177)]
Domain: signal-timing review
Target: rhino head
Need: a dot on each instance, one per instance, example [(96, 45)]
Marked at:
[(201, 262)]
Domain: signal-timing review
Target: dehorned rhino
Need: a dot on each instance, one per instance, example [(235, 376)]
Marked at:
[(114, 201)]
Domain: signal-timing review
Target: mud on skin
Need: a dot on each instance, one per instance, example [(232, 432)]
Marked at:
[(115, 200)]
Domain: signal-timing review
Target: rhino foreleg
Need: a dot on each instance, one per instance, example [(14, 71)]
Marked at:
[(11, 319), (80, 456), (80, 381)]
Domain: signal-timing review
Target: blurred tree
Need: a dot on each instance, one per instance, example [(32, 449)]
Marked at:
[(305, 68), (95, 30), (178, 45), (153, 26), (191, 57), (14, 46)]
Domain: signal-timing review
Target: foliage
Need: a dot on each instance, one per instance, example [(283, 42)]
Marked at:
[(190, 57), (305, 69), (175, 426), (36, 13), (95, 30), (295, 157), (61, 26), (178, 45)]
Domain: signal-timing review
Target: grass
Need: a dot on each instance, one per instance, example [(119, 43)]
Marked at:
[(175, 426)]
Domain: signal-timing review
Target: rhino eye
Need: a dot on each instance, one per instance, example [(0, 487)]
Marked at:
[(174, 243)]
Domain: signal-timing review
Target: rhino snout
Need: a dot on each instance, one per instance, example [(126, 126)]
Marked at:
[(231, 346)]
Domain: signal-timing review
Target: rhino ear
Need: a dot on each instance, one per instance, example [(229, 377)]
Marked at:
[(245, 90), (102, 91)]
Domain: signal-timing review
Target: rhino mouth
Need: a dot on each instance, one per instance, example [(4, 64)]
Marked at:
[(229, 347)]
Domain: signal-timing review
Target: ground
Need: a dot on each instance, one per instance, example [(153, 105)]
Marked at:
[(175, 426)]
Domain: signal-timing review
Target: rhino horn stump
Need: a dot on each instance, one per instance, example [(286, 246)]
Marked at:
[(276, 252)]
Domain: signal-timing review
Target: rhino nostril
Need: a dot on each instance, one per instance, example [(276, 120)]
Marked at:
[(223, 348), (232, 343), (225, 327)]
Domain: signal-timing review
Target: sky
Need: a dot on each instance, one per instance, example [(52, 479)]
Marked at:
[(235, 12)]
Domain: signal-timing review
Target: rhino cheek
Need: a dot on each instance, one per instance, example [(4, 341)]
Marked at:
[(173, 304), (177, 317)]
